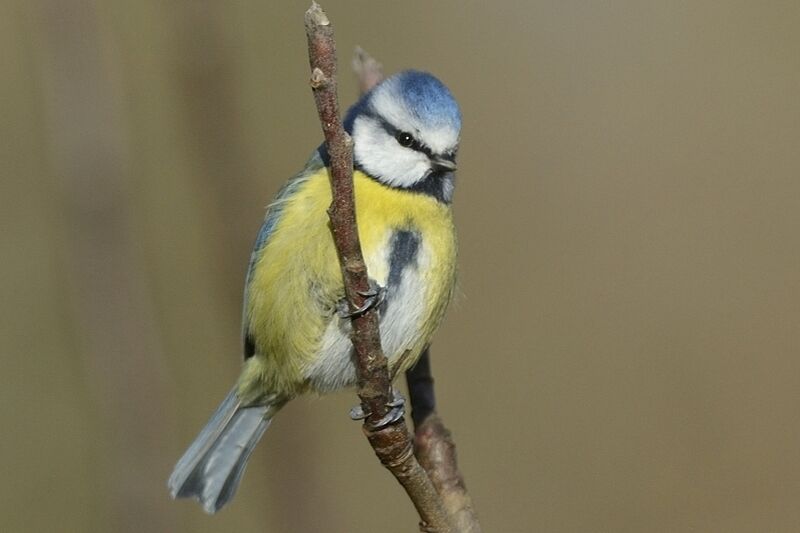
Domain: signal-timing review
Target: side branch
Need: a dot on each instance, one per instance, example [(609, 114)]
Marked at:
[(391, 443), (435, 449)]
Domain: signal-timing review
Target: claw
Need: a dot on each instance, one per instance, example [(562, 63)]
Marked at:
[(357, 413), (373, 297), (397, 399), (395, 413)]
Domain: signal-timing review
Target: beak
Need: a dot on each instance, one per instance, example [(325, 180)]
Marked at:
[(443, 164)]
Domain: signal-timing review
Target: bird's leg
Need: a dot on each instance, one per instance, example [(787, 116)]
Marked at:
[(373, 297), (395, 413)]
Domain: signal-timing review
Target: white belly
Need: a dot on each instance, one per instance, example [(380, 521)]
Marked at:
[(400, 319)]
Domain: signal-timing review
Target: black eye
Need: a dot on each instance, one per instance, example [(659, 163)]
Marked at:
[(405, 139)]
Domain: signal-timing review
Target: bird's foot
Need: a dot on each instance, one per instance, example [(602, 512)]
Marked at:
[(395, 412), (373, 297)]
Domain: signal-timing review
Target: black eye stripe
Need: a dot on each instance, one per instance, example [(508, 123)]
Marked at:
[(396, 133)]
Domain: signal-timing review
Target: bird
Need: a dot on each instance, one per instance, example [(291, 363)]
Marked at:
[(296, 324)]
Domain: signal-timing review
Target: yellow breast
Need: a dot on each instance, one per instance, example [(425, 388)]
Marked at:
[(296, 281)]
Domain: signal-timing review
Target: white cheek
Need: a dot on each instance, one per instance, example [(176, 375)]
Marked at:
[(382, 157)]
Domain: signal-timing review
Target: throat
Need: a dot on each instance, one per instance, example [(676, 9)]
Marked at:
[(438, 185)]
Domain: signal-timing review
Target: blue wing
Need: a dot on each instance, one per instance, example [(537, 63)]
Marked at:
[(274, 212)]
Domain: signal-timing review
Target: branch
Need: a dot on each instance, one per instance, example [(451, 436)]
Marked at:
[(391, 443), (433, 443)]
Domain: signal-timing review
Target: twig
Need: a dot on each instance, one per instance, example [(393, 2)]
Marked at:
[(391, 443), (433, 443)]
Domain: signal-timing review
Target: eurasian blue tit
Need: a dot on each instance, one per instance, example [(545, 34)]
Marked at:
[(296, 339)]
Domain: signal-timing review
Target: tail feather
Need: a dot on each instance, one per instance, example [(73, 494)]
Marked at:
[(212, 467)]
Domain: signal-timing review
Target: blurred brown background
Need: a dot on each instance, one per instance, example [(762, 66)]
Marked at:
[(623, 358)]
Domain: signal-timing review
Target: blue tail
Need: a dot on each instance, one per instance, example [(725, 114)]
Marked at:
[(212, 467)]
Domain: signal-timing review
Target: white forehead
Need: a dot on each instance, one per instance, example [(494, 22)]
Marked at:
[(439, 135)]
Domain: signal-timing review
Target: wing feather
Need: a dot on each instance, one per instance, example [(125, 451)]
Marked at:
[(273, 215)]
